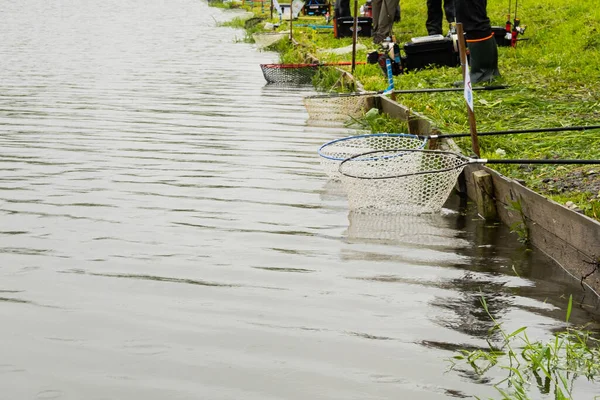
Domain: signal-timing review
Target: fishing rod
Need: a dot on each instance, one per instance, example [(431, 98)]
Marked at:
[(514, 131), (340, 149), (514, 29), (401, 91), (508, 26), (428, 162)]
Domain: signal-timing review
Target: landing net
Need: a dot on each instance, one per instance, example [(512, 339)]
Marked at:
[(289, 73), (401, 181), (334, 152), (336, 107), (266, 39)]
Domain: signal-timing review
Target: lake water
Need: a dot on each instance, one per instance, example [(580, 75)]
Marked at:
[(166, 231)]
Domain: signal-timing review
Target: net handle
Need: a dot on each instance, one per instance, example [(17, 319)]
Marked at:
[(527, 161), (407, 91), (516, 131), (307, 65)]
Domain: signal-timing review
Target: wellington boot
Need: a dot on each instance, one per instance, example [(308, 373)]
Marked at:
[(484, 60)]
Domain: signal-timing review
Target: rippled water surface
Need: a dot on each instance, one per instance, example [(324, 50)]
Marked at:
[(166, 231)]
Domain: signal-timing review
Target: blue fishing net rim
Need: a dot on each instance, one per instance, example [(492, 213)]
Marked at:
[(423, 144)]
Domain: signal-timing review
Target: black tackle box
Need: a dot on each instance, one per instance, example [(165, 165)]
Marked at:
[(500, 35), (430, 50), (344, 26), (316, 7)]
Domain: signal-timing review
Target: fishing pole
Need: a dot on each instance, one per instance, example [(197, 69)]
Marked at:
[(508, 26), (401, 91), (514, 131), (516, 27), (427, 162)]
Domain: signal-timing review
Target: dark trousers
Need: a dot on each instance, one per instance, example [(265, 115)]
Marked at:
[(435, 15), (342, 8), (384, 13), (473, 15)]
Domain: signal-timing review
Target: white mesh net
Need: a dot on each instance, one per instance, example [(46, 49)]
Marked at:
[(404, 182), (334, 152), (266, 39), (337, 107)]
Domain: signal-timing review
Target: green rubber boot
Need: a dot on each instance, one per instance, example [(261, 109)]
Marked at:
[(484, 60)]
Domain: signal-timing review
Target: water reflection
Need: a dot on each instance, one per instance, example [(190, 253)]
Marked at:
[(429, 230)]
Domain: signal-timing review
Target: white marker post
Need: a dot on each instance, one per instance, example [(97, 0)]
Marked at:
[(468, 89)]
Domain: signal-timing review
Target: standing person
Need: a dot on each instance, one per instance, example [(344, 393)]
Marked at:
[(384, 13), (341, 9), (480, 39), (435, 15)]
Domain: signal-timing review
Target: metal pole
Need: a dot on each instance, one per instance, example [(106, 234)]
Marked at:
[(463, 63), (291, 36), (354, 34)]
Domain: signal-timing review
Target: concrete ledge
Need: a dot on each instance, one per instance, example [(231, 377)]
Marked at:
[(570, 238)]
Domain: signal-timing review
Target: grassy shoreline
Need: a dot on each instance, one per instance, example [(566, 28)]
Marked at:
[(553, 78)]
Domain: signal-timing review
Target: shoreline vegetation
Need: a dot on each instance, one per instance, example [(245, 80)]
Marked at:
[(553, 79)]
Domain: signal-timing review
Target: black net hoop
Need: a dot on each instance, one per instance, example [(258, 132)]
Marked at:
[(404, 181), (334, 152), (289, 73)]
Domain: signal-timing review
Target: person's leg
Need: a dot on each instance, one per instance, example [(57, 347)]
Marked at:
[(480, 39), (473, 15), (376, 11), (484, 59), (385, 20), (449, 10), (398, 13), (342, 8), (434, 17)]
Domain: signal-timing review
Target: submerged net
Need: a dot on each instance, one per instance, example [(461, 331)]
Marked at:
[(289, 73), (396, 181), (334, 152), (266, 39), (336, 107)]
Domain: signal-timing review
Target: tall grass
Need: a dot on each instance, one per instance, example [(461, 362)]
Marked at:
[(549, 367)]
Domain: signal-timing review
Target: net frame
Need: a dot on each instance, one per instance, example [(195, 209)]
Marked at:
[(337, 107), (296, 73), (405, 181), (336, 151), (289, 73), (266, 39)]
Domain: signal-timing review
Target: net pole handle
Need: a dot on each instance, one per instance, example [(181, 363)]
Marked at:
[(354, 35), (525, 161), (291, 25), (463, 61), (515, 131)]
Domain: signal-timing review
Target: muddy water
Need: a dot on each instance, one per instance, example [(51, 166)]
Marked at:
[(166, 231)]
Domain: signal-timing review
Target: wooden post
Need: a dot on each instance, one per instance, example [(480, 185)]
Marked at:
[(291, 36), (463, 62), (484, 195), (354, 34), (271, 10)]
